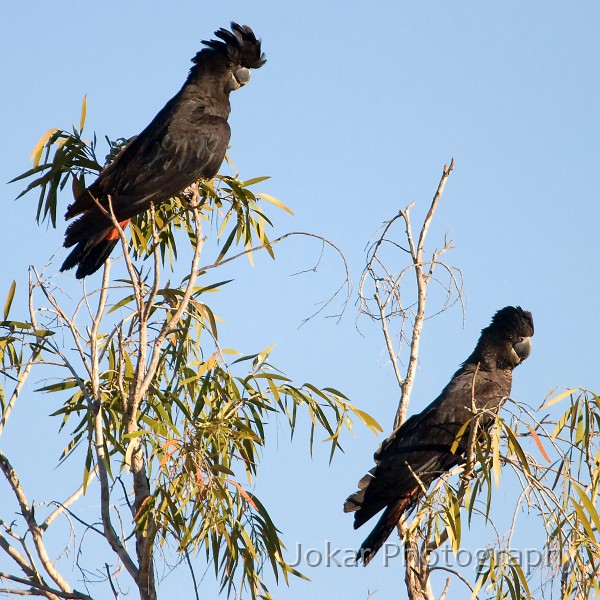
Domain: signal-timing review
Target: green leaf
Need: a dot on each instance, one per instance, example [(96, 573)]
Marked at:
[(29, 174), (459, 436), (335, 392), (57, 387), (479, 585), (496, 453), (589, 506), (124, 302), (221, 469), (276, 202), (9, 299), (558, 398), (367, 419), (517, 449), (520, 576), (83, 113), (36, 154), (254, 181), (214, 287), (582, 518), (227, 244)]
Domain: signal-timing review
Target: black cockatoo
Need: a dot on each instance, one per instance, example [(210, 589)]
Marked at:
[(419, 451), (185, 142)]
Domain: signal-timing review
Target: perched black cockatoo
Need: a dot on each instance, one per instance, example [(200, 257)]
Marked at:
[(185, 142), (419, 451)]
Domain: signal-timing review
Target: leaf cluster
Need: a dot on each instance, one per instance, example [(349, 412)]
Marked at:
[(144, 383), (556, 462)]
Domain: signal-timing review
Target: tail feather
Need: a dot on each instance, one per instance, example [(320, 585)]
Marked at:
[(91, 251), (89, 256), (89, 226), (355, 502), (386, 524)]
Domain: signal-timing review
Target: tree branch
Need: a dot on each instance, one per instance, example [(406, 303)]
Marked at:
[(35, 530), (43, 590), (421, 283)]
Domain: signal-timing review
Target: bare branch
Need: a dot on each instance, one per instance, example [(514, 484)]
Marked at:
[(27, 566), (43, 590), (35, 530), (110, 581), (387, 294), (388, 300), (421, 283)]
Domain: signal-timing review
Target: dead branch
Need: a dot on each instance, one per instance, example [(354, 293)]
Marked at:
[(388, 297), (35, 530), (387, 291), (42, 590)]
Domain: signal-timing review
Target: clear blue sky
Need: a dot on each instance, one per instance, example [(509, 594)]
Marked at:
[(353, 116)]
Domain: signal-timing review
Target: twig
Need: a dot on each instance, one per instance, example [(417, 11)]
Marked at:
[(70, 500), (110, 581), (347, 283), (24, 374), (455, 573)]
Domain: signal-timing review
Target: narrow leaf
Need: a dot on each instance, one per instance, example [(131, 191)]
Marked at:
[(478, 586), (459, 436), (538, 443), (589, 506), (255, 180), (516, 447), (557, 398), (222, 469), (496, 454), (36, 155), (276, 202), (582, 518), (83, 113), (521, 575), (244, 494), (368, 420), (9, 299), (57, 387)]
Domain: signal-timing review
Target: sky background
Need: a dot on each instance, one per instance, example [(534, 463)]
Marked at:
[(353, 116)]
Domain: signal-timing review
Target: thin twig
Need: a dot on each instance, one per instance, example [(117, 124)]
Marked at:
[(455, 573), (346, 284), (70, 500), (24, 373)]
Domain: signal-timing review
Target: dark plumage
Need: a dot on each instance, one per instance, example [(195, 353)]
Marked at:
[(422, 444), (186, 141)]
